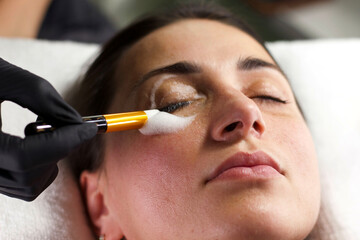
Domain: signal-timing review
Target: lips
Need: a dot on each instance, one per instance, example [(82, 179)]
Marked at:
[(246, 165)]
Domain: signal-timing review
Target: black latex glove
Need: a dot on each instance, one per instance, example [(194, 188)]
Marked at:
[(29, 165)]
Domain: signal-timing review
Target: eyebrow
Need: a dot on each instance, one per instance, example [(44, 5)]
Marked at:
[(250, 63), (185, 67)]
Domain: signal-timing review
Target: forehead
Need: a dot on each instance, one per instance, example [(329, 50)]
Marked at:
[(208, 43)]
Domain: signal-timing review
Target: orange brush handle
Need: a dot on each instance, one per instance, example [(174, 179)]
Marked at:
[(125, 121)]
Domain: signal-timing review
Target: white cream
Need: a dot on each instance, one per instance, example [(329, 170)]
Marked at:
[(164, 123), (155, 88)]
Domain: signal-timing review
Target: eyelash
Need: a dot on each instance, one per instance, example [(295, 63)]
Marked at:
[(271, 98), (176, 106)]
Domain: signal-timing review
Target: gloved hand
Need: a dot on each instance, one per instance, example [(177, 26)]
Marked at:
[(29, 165)]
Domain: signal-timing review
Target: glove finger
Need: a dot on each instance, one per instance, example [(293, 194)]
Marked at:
[(30, 178), (30, 192), (15, 194), (9, 150), (35, 93), (42, 149)]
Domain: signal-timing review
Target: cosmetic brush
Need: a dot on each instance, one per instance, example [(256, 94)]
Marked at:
[(106, 123)]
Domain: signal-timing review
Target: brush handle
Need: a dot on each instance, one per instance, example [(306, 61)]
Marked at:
[(43, 127)]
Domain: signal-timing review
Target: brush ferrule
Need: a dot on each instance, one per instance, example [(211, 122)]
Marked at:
[(99, 120)]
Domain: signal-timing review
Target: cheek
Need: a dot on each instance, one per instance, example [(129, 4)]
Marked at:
[(296, 151), (292, 137), (148, 173), (297, 140)]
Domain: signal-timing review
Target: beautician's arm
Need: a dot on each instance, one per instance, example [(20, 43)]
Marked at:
[(29, 165), (22, 18)]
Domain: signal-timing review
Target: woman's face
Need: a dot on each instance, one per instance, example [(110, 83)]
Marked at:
[(245, 168)]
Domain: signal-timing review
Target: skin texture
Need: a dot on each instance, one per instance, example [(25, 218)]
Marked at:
[(155, 187)]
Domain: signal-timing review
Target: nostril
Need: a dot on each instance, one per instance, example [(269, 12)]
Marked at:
[(231, 126), (257, 127)]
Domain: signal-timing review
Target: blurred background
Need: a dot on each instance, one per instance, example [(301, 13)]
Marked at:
[(273, 19), (97, 20)]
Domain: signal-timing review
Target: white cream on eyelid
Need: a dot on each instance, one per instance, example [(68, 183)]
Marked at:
[(163, 122)]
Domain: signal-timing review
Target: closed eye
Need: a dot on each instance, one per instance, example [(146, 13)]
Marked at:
[(174, 106), (270, 98)]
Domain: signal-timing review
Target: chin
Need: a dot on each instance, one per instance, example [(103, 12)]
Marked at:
[(274, 230), (271, 221)]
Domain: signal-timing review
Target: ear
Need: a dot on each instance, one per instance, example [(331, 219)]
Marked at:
[(104, 223)]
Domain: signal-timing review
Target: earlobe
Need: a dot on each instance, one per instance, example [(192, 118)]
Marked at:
[(101, 218)]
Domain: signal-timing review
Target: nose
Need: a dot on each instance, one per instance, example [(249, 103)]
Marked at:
[(236, 117)]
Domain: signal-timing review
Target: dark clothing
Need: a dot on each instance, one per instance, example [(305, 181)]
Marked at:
[(75, 20)]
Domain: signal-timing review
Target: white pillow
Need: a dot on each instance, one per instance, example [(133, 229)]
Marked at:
[(323, 74)]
